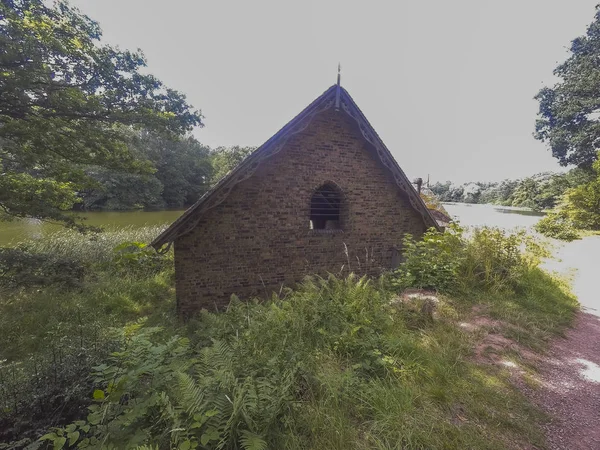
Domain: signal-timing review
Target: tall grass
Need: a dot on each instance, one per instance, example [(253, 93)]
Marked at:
[(335, 364), (90, 247)]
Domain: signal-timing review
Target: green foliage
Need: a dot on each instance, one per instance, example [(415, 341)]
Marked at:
[(121, 191), (55, 331), (496, 260), (558, 226), (138, 257), (582, 204), (64, 106), (19, 267), (90, 248), (433, 262), (182, 173), (183, 167), (567, 118), (539, 192), (226, 159), (578, 210), (487, 259), (333, 364)]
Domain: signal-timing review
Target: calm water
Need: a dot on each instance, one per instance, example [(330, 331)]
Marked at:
[(18, 230), (490, 215)]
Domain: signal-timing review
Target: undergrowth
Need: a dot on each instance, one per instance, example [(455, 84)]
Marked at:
[(335, 364)]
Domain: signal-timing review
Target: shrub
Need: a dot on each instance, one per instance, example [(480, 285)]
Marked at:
[(558, 226), (138, 258), (52, 387), (487, 258), (497, 259), (19, 267), (582, 204), (432, 262)]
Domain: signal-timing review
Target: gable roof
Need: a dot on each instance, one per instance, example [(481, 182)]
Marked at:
[(334, 97)]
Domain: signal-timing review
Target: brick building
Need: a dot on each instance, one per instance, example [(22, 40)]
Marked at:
[(324, 194)]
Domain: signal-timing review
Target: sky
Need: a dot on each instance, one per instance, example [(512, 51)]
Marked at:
[(448, 86)]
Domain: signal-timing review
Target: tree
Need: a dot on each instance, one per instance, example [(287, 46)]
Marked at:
[(569, 112), (225, 159), (183, 167), (64, 101), (122, 191)]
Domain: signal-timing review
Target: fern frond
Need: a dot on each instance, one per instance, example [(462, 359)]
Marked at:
[(191, 396), (252, 441)]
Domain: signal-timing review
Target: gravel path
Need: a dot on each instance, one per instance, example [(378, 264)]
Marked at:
[(570, 372), (570, 387)]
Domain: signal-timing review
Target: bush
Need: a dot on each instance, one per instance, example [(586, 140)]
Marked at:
[(19, 267), (558, 226), (433, 262), (229, 392), (582, 204), (488, 258), (52, 387), (138, 258), (496, 259)]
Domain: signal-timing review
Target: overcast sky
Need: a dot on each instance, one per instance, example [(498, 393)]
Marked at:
[(449, 86)]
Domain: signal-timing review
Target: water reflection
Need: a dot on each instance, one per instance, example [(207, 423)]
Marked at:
[(491, 215)]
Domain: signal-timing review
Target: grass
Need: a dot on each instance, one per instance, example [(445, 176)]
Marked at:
[(340, 364), (91, 247)]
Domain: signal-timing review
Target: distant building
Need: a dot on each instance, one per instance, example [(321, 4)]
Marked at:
[(323, 195)]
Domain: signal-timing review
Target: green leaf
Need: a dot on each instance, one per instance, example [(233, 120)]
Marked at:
[(94, 418), (185, 445), (70, 428), (48, 437), (73, 437), (212, 434), (98, 394), (59, 443), (211, 413)]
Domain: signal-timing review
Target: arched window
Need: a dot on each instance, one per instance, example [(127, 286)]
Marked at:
[(325, 206)]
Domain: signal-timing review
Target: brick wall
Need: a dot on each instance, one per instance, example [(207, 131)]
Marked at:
[(259, 239)]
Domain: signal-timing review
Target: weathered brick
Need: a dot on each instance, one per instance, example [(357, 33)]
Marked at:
[(258, 239)]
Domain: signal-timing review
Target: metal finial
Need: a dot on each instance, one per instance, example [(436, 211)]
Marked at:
[(338, 89)]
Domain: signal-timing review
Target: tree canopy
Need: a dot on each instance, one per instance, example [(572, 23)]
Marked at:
[(569, 112), (65, 101)]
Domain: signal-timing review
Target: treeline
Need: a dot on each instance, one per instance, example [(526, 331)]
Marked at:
[(180, 172), (539, 192)]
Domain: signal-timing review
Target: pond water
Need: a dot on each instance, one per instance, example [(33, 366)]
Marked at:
[(19, 230), (491, 215)]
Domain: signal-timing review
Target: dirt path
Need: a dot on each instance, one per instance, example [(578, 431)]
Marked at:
[(570, 387), (570, 372)]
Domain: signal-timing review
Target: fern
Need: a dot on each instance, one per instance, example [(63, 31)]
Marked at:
[(251, 441)]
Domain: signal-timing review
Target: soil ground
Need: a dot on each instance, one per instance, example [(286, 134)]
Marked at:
[(569, 374), (569, 387)]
